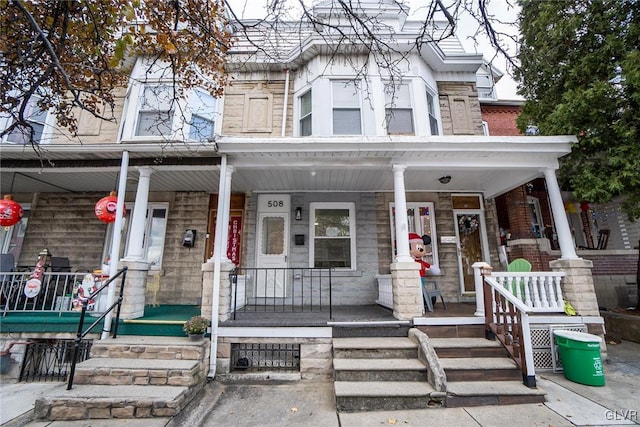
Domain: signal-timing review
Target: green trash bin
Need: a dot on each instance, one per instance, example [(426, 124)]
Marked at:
[(580, 356)]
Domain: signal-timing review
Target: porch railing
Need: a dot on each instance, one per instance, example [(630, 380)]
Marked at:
[(507, 319), (539, 291), (260, 290), (59, 293)]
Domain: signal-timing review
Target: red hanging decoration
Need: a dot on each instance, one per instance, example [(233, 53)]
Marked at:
[(106, 208), (10, 211)]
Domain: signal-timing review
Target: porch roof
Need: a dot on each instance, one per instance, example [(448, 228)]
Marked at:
[(491, 165)]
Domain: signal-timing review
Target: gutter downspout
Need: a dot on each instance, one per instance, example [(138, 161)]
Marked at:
[(285, 104), (115, 241), (217, 256)]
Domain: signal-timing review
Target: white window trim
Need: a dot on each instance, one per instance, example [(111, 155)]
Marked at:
[(305, 92), (394, 106), (352, 229), (415, 228), (47, 130), (357, 83), (436, 110)]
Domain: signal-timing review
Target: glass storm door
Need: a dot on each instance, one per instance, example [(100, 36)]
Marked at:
[(471, 246), (273, 238)]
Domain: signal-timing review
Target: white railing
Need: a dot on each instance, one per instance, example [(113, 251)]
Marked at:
[(539, 291)]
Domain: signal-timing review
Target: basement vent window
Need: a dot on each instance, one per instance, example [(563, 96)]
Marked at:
[(265, 357)]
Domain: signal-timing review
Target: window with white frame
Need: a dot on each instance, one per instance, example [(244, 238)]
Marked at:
[(36, 118), (433, 117), (155, 112), (537, 225), (347, 118), (203, 111), (154, 235), (398, 111), (11, 238), (333, 235), (420, 220), (306, 127)]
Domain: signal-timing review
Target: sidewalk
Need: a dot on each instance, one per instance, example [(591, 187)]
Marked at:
[(312, 403)]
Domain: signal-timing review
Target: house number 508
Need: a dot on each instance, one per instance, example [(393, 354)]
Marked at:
[(275, 203)]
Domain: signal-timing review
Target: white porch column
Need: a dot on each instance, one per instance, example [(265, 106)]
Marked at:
[(567, 248), (402, 229), (226, 213), (136, 240)]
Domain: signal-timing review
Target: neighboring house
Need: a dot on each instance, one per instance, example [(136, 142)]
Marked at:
[(313, 167), (602, 233)]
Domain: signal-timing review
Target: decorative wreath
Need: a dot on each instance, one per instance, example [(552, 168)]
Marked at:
[(468, 224)]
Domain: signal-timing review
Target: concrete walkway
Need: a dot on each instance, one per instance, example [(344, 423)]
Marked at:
[(312, 403)]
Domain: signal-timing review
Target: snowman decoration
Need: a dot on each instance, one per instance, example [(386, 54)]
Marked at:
[(85, 289)]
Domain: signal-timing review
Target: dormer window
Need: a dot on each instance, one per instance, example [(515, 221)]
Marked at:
[(347, 118)]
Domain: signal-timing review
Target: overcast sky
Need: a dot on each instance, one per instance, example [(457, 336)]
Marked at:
[(506, 86)]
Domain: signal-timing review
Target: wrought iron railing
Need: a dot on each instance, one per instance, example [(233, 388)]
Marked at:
[(57, 294), (50, 360), (82, 332), (281, 290)]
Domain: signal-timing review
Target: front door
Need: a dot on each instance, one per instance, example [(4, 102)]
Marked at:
[(472, 247), (272, 245)]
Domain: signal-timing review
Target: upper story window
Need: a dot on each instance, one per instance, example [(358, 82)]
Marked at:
[(155, 113), (306, 128), (332, 235), (347, 118), (398, 111), (433, 117), (36, 118), (203, 111)]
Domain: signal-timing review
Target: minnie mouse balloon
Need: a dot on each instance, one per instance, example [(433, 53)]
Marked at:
[(106, 208), (10, 211)]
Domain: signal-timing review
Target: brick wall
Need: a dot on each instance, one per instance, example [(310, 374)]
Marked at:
[(501, 119)]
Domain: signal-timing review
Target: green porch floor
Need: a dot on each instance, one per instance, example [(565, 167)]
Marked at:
[(164, 320)]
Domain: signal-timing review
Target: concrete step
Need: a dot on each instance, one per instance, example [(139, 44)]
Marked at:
[(374, 329), (467, 347), (149, 347), (379, 370), (481, 393), (454, 331), (374, 348), (358, 396), (84, 402), (121, 371), (480, 369)]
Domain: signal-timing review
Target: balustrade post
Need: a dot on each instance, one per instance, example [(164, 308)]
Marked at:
[(528, 368)]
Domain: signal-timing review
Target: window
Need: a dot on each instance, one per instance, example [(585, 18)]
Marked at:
[(154, 233), (421, 220), (537, 227), (156, 111), (398, 111), (36, 118), (203, 111), (11, 238), (346, 108), (333, 235), (306, 128), (485, 128), (433, 118)]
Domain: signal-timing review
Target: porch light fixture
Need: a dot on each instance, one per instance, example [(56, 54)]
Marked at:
[(445, 179), (298, 213)]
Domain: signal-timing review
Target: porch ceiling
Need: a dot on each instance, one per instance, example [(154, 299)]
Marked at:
[(491, 165)]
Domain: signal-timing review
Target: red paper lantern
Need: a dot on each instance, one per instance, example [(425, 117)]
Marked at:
[(106, 208), (10, 211)]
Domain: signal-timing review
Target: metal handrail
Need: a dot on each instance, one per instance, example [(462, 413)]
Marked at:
[(81, 334)]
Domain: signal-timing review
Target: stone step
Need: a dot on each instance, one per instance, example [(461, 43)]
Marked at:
[(480, 369), (84, 402), (454, 331), (379, 370), (481, 393), (149, 347), (374, 348), (121, 371), (359, 396), (467, 347), (375, 329)]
